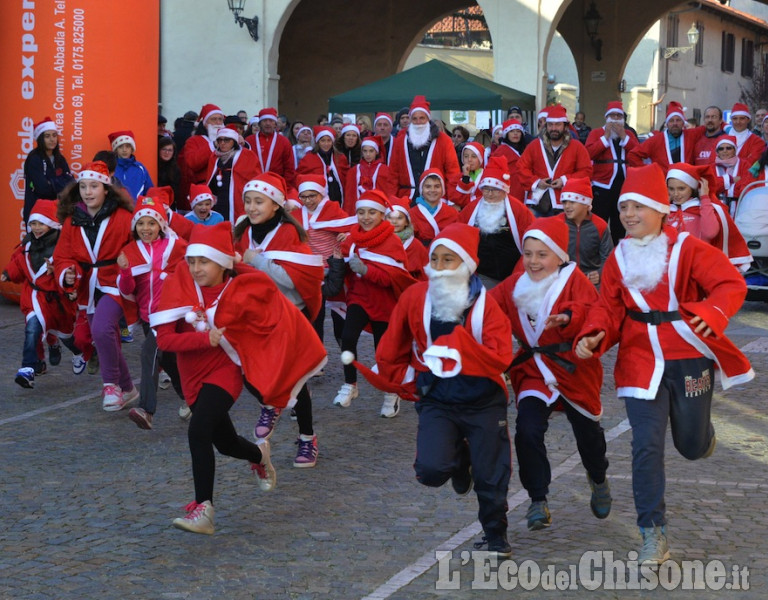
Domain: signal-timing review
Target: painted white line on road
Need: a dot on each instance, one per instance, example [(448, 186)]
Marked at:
[(427, 561)]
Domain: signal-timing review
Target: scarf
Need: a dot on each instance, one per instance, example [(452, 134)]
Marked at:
[(40, 249), (372, 238), (260, 230), (405, 234)]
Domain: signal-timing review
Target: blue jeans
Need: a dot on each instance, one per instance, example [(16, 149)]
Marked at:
[(33, 332)]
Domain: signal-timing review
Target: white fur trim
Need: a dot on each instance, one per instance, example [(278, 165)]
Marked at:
[(226, 132), (123, 139), (457, 248), (684, 177), (217, 256), (677, 113), (370, 204), (492, 182), (307, 186), (44, 220), (149, 212), (370, 143), (649, 202), (350, 127), (262, 187), (574, 197), (422, 109), (325, 133), (513, 127), (538, 234), (96, 176), (201, 197), (726, 141), (741, 113), (383, 117), (43, 127)]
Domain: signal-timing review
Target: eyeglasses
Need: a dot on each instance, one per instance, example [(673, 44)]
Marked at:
[(167, 149), (306, 197)]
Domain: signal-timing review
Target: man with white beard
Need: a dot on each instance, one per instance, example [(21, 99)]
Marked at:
[(193, 158), (665, 298), (501, 219), (458, 341), (421, 147), (608, 147)]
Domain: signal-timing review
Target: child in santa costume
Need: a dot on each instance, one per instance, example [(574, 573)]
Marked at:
[(96, 226), (226, 329), (370, 173), (431, 212), (693, 209), (176, 222), (202, 201), (144, 264), (415, 253), (501, 219), (271, 240), (466, 189), (589, 238), (129, 171), (46, 309), (375, 278), (665, 298), (546, 305), (325, 160), (447, 345), (511, 146)]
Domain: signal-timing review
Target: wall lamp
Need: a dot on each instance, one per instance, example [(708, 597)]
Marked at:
[(693, 39), (237, 6), (592, 21)]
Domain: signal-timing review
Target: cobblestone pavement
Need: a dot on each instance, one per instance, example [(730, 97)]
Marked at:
[(87, 500)]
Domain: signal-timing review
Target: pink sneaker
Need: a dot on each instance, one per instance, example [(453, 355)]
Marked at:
[(111, 397), (267, 421)]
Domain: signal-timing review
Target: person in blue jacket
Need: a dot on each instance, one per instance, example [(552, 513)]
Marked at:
[(131, 173)]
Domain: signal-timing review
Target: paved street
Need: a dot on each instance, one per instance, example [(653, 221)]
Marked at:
[(87, 499)]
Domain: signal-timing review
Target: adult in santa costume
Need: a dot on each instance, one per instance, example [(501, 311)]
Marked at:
[(271, 240), (546, 305), (193, 157), (230, 167), (512, 145), (547, 163), (465, 189), (695, 210), (608, 147), (46, 309), (273, 150), (96, 226), (144, 264), (382, 127), (370, 173), (665, 298), (501, 219), (349, 143), (327, 161), (375, 278), (415, 253), (704, 150), (423, 146), (431, 212), (446, 347), (673, 145), (749, 146), (732, 174)]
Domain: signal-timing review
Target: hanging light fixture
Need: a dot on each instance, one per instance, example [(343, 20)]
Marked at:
[(237, 6)]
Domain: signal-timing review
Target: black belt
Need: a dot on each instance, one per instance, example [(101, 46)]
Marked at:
[(654, 317), (609, 161), (549, 350), (98, 264)]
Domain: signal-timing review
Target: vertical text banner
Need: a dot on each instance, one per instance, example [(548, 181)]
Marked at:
[(90, 65)]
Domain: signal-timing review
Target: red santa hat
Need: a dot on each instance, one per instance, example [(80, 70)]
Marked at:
[(496, 174), (268, 113), (420, 103), (44, 211), (400, 205), (302, 130), (118, 138), (727, 139), (551, 231), (542, 114), (163, 194), (462, 239), (615, 107), (323, 131), (270, 184), (384, 116), (149, 207), (577, 189), (557, 114), (691, 175), (646, 185), (229, 132), (46, 124), (97, 171), (511, 125), (675, 109), (350, 127), (209, 110), (253, 119), (314, 183), (740, 110), (434, 172), (213, 242), (375, 199), (199, 192), (374, 141), (478, 149)]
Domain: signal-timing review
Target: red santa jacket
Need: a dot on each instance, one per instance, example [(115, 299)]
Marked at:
[(427, 226), (245, 166), (283, 246), (606, 162), (656, 149), (181, 226), (727, 185), (553, 369), (729, 239), (700, 281), (327, 216), (337, 171), (441, 155), (461, 194), (193, 162), (95, 267), (704, 150), (481, 347), (516, 189), (750, 149), (533, 166), (274, 153), (41, 297), (519, 218), (366, 176), (417, 258)]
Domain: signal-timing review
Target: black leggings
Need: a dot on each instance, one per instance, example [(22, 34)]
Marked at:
[(303, 407), (209, 427), (354, 324), (336, 319)]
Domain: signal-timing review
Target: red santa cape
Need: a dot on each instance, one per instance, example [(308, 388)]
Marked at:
[(516, 189), (312, 164), (328, 216), (519, 218), (606, 162), (441, 155), (245, 166), (552, 372), (656, 149), (417, 258), (274, 153), (366, 176), (426, 226), (262, 329), (141, 262)]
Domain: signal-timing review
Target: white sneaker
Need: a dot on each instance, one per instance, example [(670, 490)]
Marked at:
[(655, 549), (78, 364), (111, 397), (265, 472), (184, 412), (199, 518), (347, 393), (164, 380), (391, 406)]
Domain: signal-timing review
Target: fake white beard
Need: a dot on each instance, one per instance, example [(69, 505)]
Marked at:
[(490, 216), (529, 295), (213, 131), (449, 291), (614, 135), (418, 135), (645, 261)]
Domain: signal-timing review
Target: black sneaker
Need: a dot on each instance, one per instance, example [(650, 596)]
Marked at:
[(54, 354), (461, 480), (601, 500), (497, 545), (41, 367)]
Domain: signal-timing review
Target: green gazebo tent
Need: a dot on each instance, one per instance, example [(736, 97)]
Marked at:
[(446, 87)]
